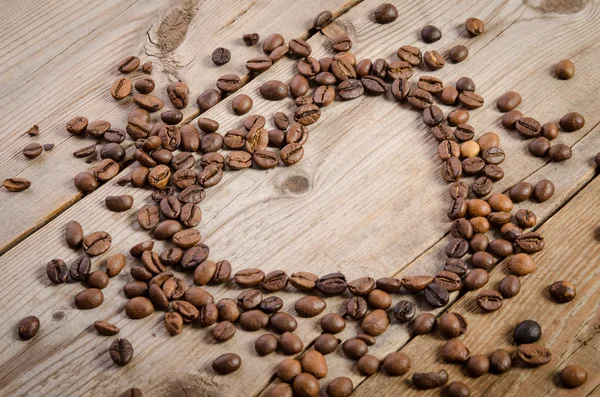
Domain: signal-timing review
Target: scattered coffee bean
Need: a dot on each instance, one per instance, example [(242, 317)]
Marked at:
[(562, 291), (28, 327), (565, 69), (527, 331), (474, 27), (573, 376)]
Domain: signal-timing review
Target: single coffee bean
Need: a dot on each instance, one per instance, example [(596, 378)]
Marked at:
[(530, 242), (386, 13), (456, 389), (227, 363), (470, 99), (271, 304), (520, 192), (332, 284), (310, 306), (361, 286), (458, 53), (451, 169), (416, 283), (435, 61), (273, 41), (74, 234), (474, 27), (97, 279), (509, 286), (573, 376), (509, 119), (454, 351), (350, 89), (281, 121), (452, 325), (32, 150), (420, 99), (374, 85), (550, 131), (410, 54), (389, 285), (508, 101), (89, 299), (572, 122), (221, 56), (57, 271), (306, 385), (400, 89), (482, 186), (564, 69), (250, 38), (129, 64), (105, 328), (119, 203), (307, 114), (457, 247), (436, 296), (489, 300), (208, 98), (430, 34), (449, 281), (166, 229), (292, 153), (534, 354), (299, 48), (464, 132), (465, 84), (290, 343), (304, 281), (326, 343), (340, 387), (274, 90), (378, 299), (399, 69), (528, 127), (120, 88), (249, 277), (115, 135), (279, 53), (562, 291), (500, 361), (223, 331), (96, 243), (527, 331), (21, 184), (478, 365), (356, 308), (112, 151), (28, 327), (194, 256), (341, 43), (275, 281), (363, 68), (322, 19), (238, 160), (288, 369), (308, 67), (429, 380), (433, 115), (77, 125), (105, 170), (135, 288), (396, 364), (423, 324), (173, 323), (520, 264), (266, 344), (543, 190), (355, 348), (229, 83), (458, 116), (404, 311), (559, 152)]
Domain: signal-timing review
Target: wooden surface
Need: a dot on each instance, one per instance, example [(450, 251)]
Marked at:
[(367, 199)]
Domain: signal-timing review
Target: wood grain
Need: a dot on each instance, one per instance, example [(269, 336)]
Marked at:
[(570, 330), (349, 206), (70, 75)]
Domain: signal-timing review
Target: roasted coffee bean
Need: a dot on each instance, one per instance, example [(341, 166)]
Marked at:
[(195, 256), (527, 331), (573, 376), (562, 291), (500, 202), (494, 172), (21, 184), (292, 153), (192, 194), (350, 89), (451, 169), (454, 351), (74, 234), (416, 283), (509, 286), (520, 264), (283, 322), (322, 19), (256, 139), (89, 299), (210, 176), (235, 139), (493, 155), (273, 41), (458, 116), (389, 285), (356, 308), (332, 323), (281, 121), (341, 43), (166, 229), (528, 127), (399, 69), (279, 53), (158, 297), (464, 132), (423, 324), (112, 151), (543, 190), (458, 208), (299, 47), (228, 310), (355, 348), (436, 296), (223, 331), (410, 54), (308, 67), (148, 216), (489, 300), (430, 34), (326, 343), (458, 53), (304, 281), (185, 177), (208, 98), (221, 56), (105, 170), (458, 189), (145, 85), (400, 89), (433, 115), (128, 64), (474, 27), (373, 85), (150, 103), (500, 247), (120, 88), (77, 125), (186, 238), (238, 160), (530, 242), (479, 243), (275, 281), (271, 304), (378, 68), (249, 277), (119, 203), (266, 344), (572, 122), (209, 315), (204, 273), (404, 311), (310, 306), (472, 165), (452, 325), (508, 101), (435, 61), (378, 299), (509, 120), (478, 365), (332, 284), (367, 365), (97, 279), (465, 84), (178, 94), (212, 142), (449, 96), (227, 363), (152, 262), (564, 69), (386, 13), (429, 380), (288, 369), (456, 389), (520, 192), (449, 281), (57, 271), (253, 320), (456, 266), (476, 279), (32, 150), (135, 288), (482, 186), (121, 351), (560, 152), (534, 354), (229, 83), (105, 328), (470, 99), (274, 90), (173, 323), (420, 99), (254, 121), (482, 259), (251, 38), (363, 68), (361, 286), (457, 247), (96, 243), (500, 361)]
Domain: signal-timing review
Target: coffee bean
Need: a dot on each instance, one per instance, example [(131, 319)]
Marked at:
[(97, 279), (458, 208), (559, 152), (235, 139), (389, 284), (283, 322), (28, 327), (106, 328), (188, 311), (509, 286), (192, 194), (332, 284), (454, 351), (419, 99), (572, 122), (452, 325), (299, 48), (89, 299), (435, 61), (508, 101), (474, 27), (210, 176), (494, 172), (238, 160), (520, 264), (340, 387), (304, 281), (530, 242), (386, 13), (573, 376), (310, 306), (429, 380), (399, 69), (135, 288), (223, 331), (308, 67), (326, 343), (96, 243), (457, 247), (174, 288), (423, 324), (534, 354), (400, 89), (562, 291), (478, 243), (404, 311), (564, 69), (355, 348), (363, 68), (470, 99), (500, 361), (173, 323), (266, 344), (527, 331), (274, 90), (550, 131), (274, 281), (322, 19), (378, 299), (254, 121), (119, 203), (543, 190), (489, 300), (227, 363), (341, 43), (482, 186), (292, 153), (221, 56), (105, 170), (120, 88), (478, 365), (458, 53), (186, 238), (306, 385), (436, 296), (32, 150), (249, 277), (356, 308), (288, 369), (147, 67), (166, 229), (528, 127), (350, 89), (251, 38), (256, 139), (465, 84), (253, 320), (21, 184), (416, 283), (271, 304), (229, 83), (194, 256), (208, 98), (374, 85), (456, 266), (77, 125), (451, 169), (410, 54), (430, 34), (57, 271), (449, 281), (433, 115), (361, 286), (228, 310)]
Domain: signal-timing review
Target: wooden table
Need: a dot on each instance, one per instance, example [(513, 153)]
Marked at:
[(367, 199)]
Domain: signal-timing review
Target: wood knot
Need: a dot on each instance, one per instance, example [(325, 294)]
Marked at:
[(58, 315), (296, 184), (174, 26), (558, 6)]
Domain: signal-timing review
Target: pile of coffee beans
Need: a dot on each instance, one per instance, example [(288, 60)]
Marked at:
[(166, 161)]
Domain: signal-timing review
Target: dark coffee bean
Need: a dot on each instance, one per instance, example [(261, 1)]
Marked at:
[(416, 283), (458, 53), (253, 320), (527, 331), (465, 84), (386, 13), (361, 286), (32, 150), (74, 234), (28, 327), (307, 114), (550, 131), (254, 121), (324, 95), (572, 122), (356, 307), (456, 389), (238, 160), (235, 139), (341, 43), (430, 34), (105, 170), (419, 99), (171, 117), (227, 363), (273, 41), (410, 54), (435, 61), (271, 304), (363, 68), (543, 190), (430, 84), (562, 291), (423, 324), (195, 256), (521, 264), (57, 271), (399, 69), (449, 281), (322, 19), (192, 194), (266, 344), (96, 243), (304, 281), (436, 296), (509, 286), (166, 229), (489, 300), (433, 115), (112, 151), (374, 85), (530, 242), (454, 351), (465, 132), (275, 281), (229, 83), (456, 247), (355, 348), (105, 328), (221, 56), (474, 27), (528, 127), (85, 151), (145, 85), (308, 67), (228, 310), (456, 265), (493, 155), (77, 125), (452, 169), (204, 273), (470, 99), (343, 70), (429, 380), (520, 192), (128, 64), (251, 38), (119, 203), (186, 238), (404, 311), (534, 354), (150, 103), (458, 208), (283, 322), (114, 135), (500, 361), (479, 242), (310, 306), (389, 285), (89, 299), (326, 343), (400, 89), (559, 152), (508, 101), (274, 90), (350, 89), (494, 172), (300, 47), (482, 186), (292, 153), (573, 376), (223, 331), (379, 68), (332, 284), (478, 365), (208, 99)]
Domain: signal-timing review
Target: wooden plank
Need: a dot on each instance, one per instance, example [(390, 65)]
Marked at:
[(61, 88), (570, 330), (289, 218)]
